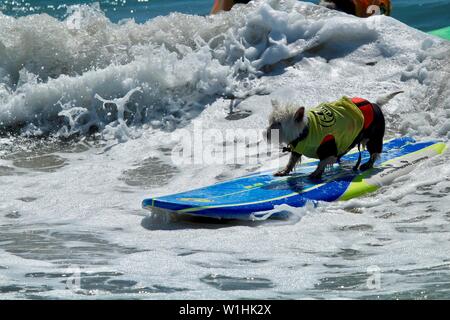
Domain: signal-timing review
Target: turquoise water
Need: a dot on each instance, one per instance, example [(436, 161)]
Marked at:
[(416, 13)]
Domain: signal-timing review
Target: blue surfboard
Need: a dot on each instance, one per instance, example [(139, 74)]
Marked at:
[(253, 195)]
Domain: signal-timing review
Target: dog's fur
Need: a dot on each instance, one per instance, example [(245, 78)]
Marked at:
[(290, 122)]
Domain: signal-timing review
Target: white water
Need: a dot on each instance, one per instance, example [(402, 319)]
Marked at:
[(77, 205)]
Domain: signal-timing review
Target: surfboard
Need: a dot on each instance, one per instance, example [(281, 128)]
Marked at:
[(444, 33), (252, 196)]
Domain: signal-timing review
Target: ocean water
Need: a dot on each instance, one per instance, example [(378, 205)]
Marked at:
[(92, 104), (415, 13)]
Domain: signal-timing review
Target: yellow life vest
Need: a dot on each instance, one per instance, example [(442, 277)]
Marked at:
[(341, 119)]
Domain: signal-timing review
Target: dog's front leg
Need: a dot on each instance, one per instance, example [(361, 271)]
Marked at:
[(293, 160), (317, 174)]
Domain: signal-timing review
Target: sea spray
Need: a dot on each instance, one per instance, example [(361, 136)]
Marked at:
[(119, 130), (182, 63)]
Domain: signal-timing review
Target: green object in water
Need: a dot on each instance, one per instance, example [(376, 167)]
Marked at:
[(443, 33)]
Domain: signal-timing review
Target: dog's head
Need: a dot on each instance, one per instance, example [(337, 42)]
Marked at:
[(287, 121)]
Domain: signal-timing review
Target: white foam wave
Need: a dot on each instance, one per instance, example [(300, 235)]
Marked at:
[(181, 62)]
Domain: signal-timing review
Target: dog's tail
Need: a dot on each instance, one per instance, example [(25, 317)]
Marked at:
[(381, 101)]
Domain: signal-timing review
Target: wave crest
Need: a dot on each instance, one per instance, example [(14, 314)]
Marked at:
[(52, 70)]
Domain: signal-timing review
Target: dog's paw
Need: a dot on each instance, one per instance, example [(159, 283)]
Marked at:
[(366, 166), (281, 173), (315, 176)]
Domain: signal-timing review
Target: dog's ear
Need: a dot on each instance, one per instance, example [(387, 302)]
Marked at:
[(275, 104), (298, 116)]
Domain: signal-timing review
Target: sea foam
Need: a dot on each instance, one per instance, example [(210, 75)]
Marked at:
[(182, 63)]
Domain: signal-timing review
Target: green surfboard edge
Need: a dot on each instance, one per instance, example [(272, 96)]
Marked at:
[(443, 33)]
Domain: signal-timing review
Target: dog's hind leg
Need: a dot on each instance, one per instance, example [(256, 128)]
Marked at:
[(369, 164), (375, 138), (375, 147)]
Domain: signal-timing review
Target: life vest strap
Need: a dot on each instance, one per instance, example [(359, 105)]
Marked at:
[(293, 144), (367, 110)]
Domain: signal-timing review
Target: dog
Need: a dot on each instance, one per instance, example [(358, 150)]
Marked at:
[(329, 131)]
